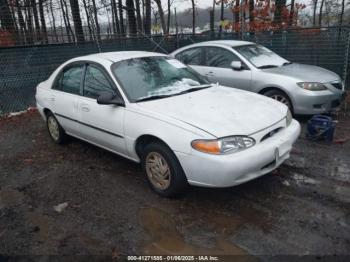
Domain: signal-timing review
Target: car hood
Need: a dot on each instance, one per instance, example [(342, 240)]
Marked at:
[(303, 72), (221, 111)]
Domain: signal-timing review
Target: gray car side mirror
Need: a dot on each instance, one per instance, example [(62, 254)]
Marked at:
[(236, 65)]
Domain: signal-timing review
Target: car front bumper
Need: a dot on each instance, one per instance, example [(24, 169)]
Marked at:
[(233, 169), (317, 102)]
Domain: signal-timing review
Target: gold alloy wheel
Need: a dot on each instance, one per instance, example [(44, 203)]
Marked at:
[(158, 170), (53, 128), (281, 99)]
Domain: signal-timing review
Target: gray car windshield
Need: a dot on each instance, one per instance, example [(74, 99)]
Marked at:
[(155, 77), (260, 56)]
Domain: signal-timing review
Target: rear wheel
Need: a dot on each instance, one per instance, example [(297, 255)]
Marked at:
[(280, 97), (55, 130), (163, 171)]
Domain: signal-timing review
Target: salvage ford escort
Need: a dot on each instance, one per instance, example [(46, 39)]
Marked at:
[(153, 109)]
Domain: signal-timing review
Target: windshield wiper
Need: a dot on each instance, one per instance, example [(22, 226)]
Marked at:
[(148, 98), (193, 89), (267, 66)]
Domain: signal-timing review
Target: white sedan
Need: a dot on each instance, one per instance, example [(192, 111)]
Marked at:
[(152, 109)]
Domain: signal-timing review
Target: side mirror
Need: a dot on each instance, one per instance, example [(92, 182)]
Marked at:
[(236, 65), (109, 98)]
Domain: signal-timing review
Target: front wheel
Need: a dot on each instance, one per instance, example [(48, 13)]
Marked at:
[(163, 171), (280, 97)]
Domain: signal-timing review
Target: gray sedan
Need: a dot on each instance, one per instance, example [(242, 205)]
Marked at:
[(305, 89)]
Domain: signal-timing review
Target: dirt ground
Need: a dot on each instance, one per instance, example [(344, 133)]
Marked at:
[(303, 208)]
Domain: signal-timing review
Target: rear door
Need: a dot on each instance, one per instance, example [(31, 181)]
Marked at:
[(65, 95), (100, 124), (193, 57), (218, 69)]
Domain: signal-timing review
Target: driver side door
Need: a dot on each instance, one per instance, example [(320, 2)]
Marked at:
[(100, 124), (218, 69)]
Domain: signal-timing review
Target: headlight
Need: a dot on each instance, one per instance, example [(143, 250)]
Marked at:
[(289, 117), (223, 145), (312, 86)]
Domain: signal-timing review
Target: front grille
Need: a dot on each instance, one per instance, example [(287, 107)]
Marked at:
[(270, 134), (338, 85)]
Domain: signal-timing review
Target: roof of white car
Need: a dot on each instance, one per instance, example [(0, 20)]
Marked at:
[(230, 43), (118, 56)]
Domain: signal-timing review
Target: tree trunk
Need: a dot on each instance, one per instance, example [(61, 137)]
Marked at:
[(314, 13), (147, 25), (341, 13), (65, 21), (87, 13), (251, 15), (116, 18), (161, 15), (138, 16), (6, 18), (53, 21), (193, 17), (291, 14), (221, 17), (169, 17), (280, 5), (98, 31), (320, 14), (22, 24), (131, 17), (237, 13), (29, 22), (121, 17), (78, 28), (42, 21), (36, 20)]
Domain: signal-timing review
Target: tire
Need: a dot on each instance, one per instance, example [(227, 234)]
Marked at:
[(280, 97), (56, 132), (168, 167)]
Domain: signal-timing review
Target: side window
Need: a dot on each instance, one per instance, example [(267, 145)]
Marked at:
[(69, 80), (95, 82), (191, 56), (219, 57)]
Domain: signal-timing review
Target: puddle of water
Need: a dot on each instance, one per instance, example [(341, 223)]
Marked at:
[(167, 240)]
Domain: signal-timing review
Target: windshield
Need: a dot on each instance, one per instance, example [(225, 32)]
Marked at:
[(155, 76), (260, 56)]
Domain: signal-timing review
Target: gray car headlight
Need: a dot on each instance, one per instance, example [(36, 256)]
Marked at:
[(223, 145), (312, 86), (289, 118)]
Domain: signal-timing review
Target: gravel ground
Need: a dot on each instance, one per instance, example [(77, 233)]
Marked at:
[(303, 208)]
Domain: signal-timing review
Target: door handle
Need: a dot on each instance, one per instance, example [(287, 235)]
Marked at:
[(210, 74), (85, 108), (52, 99)]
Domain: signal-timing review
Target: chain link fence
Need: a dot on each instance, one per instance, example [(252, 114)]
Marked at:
[(23, 67)]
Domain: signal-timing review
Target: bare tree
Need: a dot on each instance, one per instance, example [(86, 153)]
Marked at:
[(95, 11), (121, 17), (6, 18), (314, 12), (78, 28), (66, 20), (116, 26), (320, 14), (221, 16), (138, 16), (42, 22), (341, 13), (251, 15), (36, 19), (291, 14), (147, 24), (280, 5), (193, 17), (161, 15), (88, 18), (131, 17)]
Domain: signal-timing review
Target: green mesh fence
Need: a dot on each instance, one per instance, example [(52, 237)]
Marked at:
[(23, 67)]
